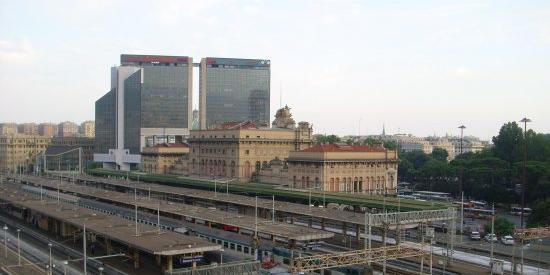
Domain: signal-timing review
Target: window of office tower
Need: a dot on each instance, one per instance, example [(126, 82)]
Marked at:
[(164, 96), (237, 90)]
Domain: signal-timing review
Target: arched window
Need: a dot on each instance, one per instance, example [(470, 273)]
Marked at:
[(246, 169)]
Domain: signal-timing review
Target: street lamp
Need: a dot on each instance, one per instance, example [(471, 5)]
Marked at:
[(65, 263), (524, 182), (539, 241), (50, 257), (5, 241), (18, 247), (100, 269), (460, 187)]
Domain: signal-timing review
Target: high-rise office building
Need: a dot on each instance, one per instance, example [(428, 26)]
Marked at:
[(150, 96), (234, 90)]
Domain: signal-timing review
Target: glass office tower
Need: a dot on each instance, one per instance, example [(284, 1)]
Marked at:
[(234, 90), (150, 96), (157, 97), (105, 114)]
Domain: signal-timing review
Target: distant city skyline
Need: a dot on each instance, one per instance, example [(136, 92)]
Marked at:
[(347, 67)]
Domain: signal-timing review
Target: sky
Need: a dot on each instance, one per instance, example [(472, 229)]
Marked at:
[(348, 67)]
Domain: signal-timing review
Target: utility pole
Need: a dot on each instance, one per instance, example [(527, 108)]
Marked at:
[(461, 216), (324, 205), (524, 183), (50, 270), (460, 187), (135, 210), (84, 245), (309, 200), (18, 248), (273, 210), (5, 242), (492, 236), (255, 238), (158, 216)]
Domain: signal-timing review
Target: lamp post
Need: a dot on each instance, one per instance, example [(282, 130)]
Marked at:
[(18, 248), (492, 236), (50, 257), (215, 187), (524, 181), (100, 269), (5, 242), (539, 241), (461, 151), (65, 263)]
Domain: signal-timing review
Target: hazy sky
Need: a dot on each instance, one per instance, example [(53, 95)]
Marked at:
[(423, 67)]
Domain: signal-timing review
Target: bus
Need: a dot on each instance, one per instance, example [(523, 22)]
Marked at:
[(476, 213), (432, 196), (517, 211)]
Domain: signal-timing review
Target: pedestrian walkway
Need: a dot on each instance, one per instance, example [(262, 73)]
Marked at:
[(10, 264)]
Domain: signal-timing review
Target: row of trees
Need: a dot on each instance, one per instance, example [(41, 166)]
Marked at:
[(494, 174)]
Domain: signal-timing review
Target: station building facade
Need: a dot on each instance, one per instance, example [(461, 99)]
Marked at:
[(165, 158), (344, 168), (240, 149)]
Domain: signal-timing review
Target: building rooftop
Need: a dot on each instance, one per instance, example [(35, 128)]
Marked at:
[(130, 59), (344, 148), (148, 238), (171, 145), (236, 125), (54, 150), (284, 230)]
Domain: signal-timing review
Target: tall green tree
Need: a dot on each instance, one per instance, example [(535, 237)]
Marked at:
[(508, 143), (503, 227), (440, 154), (322, 139), (541, 214)]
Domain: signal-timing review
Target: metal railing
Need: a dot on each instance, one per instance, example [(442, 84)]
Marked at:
[(241, 267)]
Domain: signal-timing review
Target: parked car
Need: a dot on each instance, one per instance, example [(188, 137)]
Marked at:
[(507, 240), (475, 236), (491, 237)]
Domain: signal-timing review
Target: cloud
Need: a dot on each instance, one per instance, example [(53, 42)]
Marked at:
[(463, 72), (545, 35), (17, 53)]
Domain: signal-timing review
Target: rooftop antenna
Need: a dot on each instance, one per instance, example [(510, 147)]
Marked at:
[(359, 128), (281, 95)]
